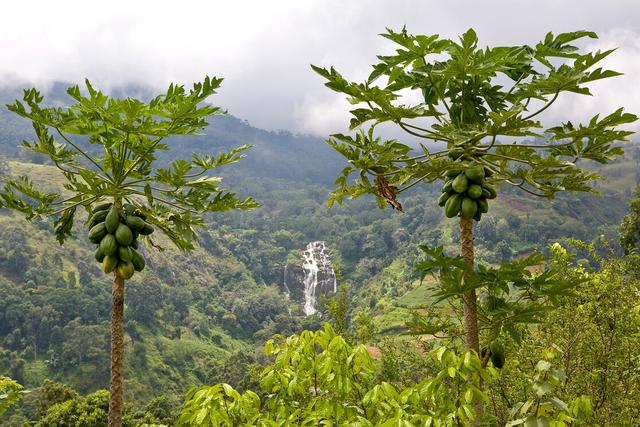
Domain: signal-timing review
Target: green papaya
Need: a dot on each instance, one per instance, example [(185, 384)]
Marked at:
[(124, 253), (134, 243), (109, 263), (460, 183), (112, 220), (99, 255), (134, 210), (125, 270), (101, 207), (474, 191), (124, 236), (452, 206), (488, 173), (109, 245), (137, 260), (146, 230), (483, 205), (475, 173), (448, 186), (492, 193), (97, 232), (455, 154), (497, 354), (452, 173), (135, 222), (443, 199), (478, 215), (97, 218), (469, 207)]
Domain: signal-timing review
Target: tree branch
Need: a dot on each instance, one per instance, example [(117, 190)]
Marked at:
[(82, 152), (547, 105)]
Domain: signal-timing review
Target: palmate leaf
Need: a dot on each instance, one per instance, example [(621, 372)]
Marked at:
[(21, 195), (63, 224)]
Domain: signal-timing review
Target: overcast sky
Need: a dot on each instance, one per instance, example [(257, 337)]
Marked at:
[(263, 48)]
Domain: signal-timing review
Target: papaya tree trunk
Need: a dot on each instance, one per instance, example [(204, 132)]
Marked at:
[(470, 309), (116, 390)]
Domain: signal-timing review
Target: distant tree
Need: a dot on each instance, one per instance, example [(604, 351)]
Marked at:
[(503, 251), (49, 394), (630, 227), (105, 149)]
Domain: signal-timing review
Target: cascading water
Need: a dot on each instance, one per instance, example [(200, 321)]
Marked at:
[(319, 275)]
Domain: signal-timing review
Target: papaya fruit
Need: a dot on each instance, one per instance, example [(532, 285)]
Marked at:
[(146, 230), (488, 173), (137, 260), (135, 222), (468, 208), (455, 154), (460, 183), (447, 188), (97, 218), (497, 354), (443, 199), (97, 232), (478, 215), (101, 207), (109, 263), (109, 244), (112, 219), (134, 243), (99, 255), (474, 191), (491, 192), (124, 253), (125, 270), (452, 206), (475, 173), (483, 205), (452, 173), (134, 210), (124, 236)]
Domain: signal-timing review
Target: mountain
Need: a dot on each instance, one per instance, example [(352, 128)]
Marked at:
[(190, 316)]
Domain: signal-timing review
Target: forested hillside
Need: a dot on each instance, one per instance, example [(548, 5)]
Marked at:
[(203, 318)]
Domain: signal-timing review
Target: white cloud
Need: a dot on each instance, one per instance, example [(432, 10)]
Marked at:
[(263, 48)]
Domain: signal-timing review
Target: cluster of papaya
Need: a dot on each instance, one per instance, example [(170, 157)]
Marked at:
[(116, 232), (466, 193), (496, 353)]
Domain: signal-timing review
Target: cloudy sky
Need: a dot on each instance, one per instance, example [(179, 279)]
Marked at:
[(263, 48)]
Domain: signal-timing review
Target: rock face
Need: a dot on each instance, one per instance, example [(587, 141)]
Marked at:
[(315, 276)]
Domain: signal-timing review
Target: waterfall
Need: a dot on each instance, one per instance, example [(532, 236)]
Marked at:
[(287, 291), (319, 276)]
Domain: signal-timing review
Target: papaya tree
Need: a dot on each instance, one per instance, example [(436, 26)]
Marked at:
[(472, 118), (105, 149)]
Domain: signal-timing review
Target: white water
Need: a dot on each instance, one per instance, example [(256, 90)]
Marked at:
[(287, 291), (318, 274)]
